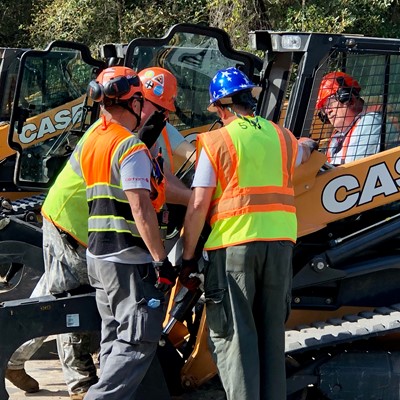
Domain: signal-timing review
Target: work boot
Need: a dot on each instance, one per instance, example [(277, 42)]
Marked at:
[(23, 381), (78, 396)]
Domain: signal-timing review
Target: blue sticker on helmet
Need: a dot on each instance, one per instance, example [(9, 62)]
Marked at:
[(158, 90)]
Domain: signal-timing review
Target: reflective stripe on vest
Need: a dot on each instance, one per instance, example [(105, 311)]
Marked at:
[(164, 133), (254, 197), (345, 146)]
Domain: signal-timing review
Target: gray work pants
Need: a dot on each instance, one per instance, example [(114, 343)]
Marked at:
[(248, 289), (65, 269), (130, 328)]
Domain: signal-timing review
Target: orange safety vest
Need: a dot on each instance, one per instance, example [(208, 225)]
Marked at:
[(346, 141), (254, 196), (165, 136), (111, 225), (345, 144)]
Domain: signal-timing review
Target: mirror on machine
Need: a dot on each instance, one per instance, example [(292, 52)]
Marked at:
[(50, 110)]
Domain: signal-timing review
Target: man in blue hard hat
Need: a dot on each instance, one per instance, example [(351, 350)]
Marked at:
[(243, 187)]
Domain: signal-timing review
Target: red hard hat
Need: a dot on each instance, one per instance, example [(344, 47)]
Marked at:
[(159, 87), (331, 83)]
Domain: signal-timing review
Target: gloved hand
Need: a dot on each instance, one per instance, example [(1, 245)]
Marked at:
[(189, 267), (152, 128), (166, 275)]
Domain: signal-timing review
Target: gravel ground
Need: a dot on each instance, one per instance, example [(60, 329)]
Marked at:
[(49, 375)]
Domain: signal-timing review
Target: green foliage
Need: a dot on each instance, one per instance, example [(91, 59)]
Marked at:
[(14, 20), (367, 17), (35, 23), (96, 22)]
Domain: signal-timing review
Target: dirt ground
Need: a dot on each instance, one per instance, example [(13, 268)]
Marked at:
[(49, 375)]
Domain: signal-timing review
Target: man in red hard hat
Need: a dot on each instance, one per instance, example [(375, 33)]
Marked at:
[(357, 128)]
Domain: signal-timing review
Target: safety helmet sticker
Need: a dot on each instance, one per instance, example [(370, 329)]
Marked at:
[(155, 82)]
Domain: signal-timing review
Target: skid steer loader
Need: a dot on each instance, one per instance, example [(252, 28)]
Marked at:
[(342, 335), (50, 103)]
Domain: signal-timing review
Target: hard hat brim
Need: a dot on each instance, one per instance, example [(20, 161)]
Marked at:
[(255, 92)]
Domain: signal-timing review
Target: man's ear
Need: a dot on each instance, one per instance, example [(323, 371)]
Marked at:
[(222, 112), (352, 101), (140, 105)]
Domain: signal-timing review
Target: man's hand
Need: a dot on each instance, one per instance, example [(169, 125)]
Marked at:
[(187, 275), (152, 128), (308, 142), (166, 275), (308, 145)]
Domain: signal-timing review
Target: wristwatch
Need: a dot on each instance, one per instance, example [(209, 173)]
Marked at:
[(157, 264)]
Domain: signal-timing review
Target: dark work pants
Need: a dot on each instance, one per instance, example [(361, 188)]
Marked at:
[(247, 291), (130, 328)]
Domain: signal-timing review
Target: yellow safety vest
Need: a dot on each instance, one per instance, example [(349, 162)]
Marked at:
[(65, 204), (254, 196)]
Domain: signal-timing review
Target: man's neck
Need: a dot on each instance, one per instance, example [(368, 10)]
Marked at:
[(120, 116)]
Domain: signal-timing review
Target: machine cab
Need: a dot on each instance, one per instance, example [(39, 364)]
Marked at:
[(51, 110)]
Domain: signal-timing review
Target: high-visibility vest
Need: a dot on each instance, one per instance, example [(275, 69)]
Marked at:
[(111, 225), (374, 108), (345, 144), (65, 204), (254, 196), (169, 154)]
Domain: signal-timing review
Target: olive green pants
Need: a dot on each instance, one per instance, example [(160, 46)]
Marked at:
[(248, 289)]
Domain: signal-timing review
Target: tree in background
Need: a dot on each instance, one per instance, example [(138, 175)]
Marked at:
[(367, 17), (15, 19), (35, 23), (96, 22)]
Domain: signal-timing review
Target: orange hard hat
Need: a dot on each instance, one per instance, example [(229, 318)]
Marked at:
[(332, 82), (119, 83), (159, 87)]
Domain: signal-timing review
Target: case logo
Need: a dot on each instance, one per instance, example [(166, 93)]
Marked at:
[(346, 191)]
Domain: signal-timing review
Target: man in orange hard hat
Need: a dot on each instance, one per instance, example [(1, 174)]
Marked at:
[(127, 262), (160, 91)]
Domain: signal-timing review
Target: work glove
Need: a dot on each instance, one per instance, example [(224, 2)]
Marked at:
[(188, 275), (152, 128), (166, 275)]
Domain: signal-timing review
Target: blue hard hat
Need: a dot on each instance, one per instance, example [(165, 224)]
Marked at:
[(228, 81)]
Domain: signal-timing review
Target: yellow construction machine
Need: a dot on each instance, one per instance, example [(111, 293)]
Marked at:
[(342, 333), (46, 97)]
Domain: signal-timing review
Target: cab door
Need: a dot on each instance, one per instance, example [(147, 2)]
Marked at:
[(50, 110)]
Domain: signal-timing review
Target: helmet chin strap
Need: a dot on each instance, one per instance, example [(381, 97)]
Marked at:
[(130, 109)]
